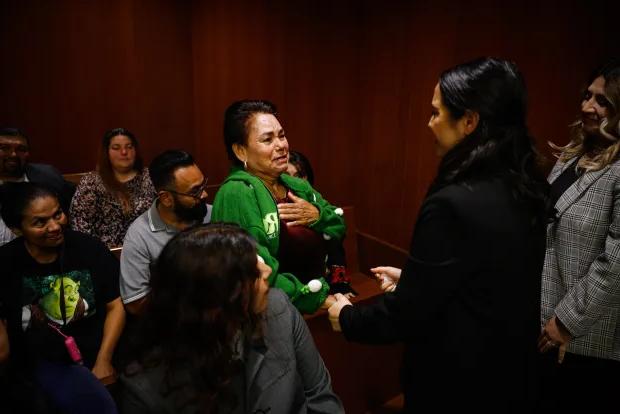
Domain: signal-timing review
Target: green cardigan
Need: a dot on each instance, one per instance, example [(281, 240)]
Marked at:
[(244, 199)]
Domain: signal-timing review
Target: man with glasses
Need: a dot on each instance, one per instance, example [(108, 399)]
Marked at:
[(181, 203), (14, 167)]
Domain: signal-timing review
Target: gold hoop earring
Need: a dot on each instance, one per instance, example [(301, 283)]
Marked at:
[(245, 165)]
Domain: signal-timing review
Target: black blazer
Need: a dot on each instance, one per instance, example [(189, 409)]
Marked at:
[(467, 305)]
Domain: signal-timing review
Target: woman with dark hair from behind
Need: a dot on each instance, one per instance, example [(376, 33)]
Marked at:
[(61, 304), (215, 339), (109, 199), (467, 304), (581, 278)]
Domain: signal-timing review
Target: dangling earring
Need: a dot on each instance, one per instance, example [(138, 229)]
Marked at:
[(245, 165)]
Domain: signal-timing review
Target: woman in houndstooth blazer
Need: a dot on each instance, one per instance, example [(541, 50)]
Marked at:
[(581, 277)]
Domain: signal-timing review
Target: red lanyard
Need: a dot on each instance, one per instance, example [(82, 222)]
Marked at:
[(72, 348)]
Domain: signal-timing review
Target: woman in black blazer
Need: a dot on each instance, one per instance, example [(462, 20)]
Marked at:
[(468, 302)]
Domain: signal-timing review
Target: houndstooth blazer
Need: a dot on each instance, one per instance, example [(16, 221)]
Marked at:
[(581, 275)]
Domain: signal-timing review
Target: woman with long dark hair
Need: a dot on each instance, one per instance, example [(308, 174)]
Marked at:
[(214, 337), (109, 199), (467, 301)]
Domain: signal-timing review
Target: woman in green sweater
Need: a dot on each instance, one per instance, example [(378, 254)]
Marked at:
[(287, 217)]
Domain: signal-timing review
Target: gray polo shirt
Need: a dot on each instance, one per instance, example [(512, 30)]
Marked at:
[(144, 240)]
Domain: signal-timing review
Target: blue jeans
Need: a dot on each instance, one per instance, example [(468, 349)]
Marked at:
[(74, 389)]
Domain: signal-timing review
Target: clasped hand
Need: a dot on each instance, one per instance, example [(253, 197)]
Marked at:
[(334, 310), (298, 213), (553, 335), (388, 277)]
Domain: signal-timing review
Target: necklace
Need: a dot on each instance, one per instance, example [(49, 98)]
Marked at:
[(273, 190)]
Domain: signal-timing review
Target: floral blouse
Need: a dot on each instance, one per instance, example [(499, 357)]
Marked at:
[(96, 212)]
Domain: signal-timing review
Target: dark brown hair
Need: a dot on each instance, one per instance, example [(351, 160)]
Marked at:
[(501, 145), (200, 307), (16, 197), (104, 167), (236, 119)]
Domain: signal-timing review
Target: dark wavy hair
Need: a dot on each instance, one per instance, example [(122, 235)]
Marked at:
[(301, 162), (201, 300), (105, 170), (501, 145), (236, 119), (16, 197)]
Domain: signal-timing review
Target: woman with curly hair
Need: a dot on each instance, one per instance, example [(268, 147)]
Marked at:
[(581, 278), (215, 339)]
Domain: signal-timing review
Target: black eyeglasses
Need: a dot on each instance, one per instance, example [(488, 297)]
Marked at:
[(196, 194)]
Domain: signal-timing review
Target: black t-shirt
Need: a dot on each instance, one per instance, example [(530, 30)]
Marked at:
[(84, 278)]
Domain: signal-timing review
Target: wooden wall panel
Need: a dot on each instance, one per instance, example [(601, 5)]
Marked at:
[(405, 45), (73, 69), (352, 79), (300, 55)]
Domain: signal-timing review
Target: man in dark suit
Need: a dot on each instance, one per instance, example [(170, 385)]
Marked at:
[(14, 167)]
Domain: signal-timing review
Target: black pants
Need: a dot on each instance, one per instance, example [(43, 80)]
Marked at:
[(579, 384)]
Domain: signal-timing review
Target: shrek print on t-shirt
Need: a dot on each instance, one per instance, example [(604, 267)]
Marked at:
[(62, 298)]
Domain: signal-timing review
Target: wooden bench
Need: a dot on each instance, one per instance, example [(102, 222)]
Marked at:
[(116, 251), (363, 376), (74, 177)]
